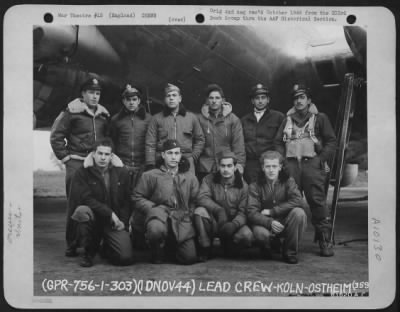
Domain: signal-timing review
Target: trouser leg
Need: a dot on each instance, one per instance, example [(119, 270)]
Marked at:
[(295, 225), (244, 237), (118, 246), (203, 224), (262, 236), (186, 252), (88, 233), (156, 234), (70, 168), (313, 177)]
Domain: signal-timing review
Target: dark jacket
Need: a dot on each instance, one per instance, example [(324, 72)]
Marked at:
[(185, 128), (80, 128), (223, 133), (259, 136), (280, 199), (88, 188), (324, 132), (128, 131), (214, 196), (156, 188)]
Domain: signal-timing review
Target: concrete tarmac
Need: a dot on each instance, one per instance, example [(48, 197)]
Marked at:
[(247, 275)]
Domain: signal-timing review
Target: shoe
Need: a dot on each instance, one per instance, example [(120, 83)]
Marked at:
[(291, 259), (87, 261), (71, 252)]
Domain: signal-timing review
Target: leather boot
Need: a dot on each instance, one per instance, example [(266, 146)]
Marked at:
[(87, 260)]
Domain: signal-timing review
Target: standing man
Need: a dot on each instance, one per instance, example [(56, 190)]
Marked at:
[(259, 129), (222, 212), (100, 199), (222, 131), (128, 131), (307, 140), (165, 199), (73, 134), (275, 208), (174, 122)]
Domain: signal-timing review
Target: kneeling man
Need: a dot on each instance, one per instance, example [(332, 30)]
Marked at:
[(275, 207), (164, 203), (100, 196), (222, 212)]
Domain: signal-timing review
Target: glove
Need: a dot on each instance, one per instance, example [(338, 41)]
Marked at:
[(227, 230), (221, 217), (149, 167)]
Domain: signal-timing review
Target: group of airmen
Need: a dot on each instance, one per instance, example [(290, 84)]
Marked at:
[(173, 182)]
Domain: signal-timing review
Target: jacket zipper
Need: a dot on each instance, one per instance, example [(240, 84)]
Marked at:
[(94, 128), (133, 141)]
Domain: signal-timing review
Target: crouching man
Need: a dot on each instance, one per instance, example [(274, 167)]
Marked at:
[(100, 195), (222, 212), (164, 203), (275, 208)]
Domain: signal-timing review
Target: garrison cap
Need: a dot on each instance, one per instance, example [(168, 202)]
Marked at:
[(91, 84), (170, 144), (226, 154), (130, 90), (300, 88), (170, 87), (259, 88)]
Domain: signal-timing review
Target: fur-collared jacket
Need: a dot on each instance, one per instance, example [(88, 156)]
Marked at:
[(157, 194), (184, 127), (279, 198), (80, 127), (231, 198), (259, 136), (222, 133), (88, 188), (324, 133), (128, 131)]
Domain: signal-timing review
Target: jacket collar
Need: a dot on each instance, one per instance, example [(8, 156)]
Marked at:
[(238, 181), (226, 109), (181, 111), (89, 161), (184, 165), (266, 113), (141, 112), (78, 106), (311, 109)]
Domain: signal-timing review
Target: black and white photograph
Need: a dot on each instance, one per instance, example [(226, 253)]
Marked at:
[(178, 154)]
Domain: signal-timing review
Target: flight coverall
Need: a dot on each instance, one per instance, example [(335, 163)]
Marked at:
[(308, 142), (157, 196), (94, 198), (222, 212)]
